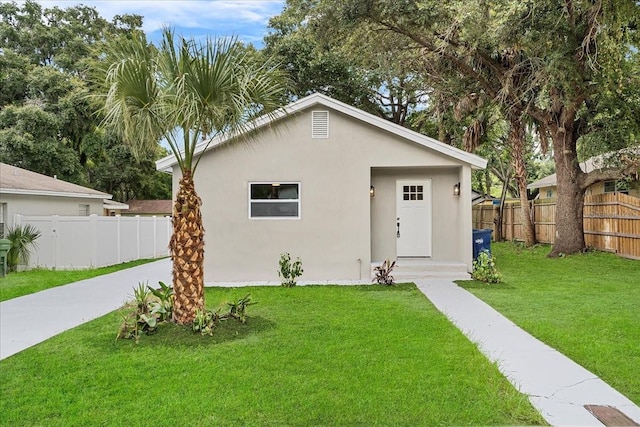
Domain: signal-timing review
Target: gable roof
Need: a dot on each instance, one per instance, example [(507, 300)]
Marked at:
[(166, 163), (150, 207), (15, 180), (600, 162)]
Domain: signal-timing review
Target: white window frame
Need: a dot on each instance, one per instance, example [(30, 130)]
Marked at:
[(84, 209), (260, 218)]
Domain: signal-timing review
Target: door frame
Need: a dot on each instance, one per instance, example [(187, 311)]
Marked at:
[(422, 249)]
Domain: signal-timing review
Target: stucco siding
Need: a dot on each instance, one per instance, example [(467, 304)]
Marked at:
[(334, 232), (47, 205), (446, 235)]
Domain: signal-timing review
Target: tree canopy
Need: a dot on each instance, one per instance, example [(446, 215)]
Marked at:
[(48, 116), (555, 69)]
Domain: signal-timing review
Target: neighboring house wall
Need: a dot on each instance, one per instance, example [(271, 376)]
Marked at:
[(340, 225), (632, 188), (597, 188), (48, 205), (548, 193)]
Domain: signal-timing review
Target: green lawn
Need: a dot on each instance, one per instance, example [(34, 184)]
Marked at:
[(586, 306), (17, 284), (317, 355)]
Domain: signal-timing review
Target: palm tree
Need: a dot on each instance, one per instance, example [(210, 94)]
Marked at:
[(23, 239), (186, 92)]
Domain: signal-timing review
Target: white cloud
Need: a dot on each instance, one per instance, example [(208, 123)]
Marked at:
[(246, 19)]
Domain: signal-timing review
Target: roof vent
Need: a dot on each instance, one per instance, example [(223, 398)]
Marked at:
[(319, 124)]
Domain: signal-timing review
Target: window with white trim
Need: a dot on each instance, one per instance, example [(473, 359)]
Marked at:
[(274, 200), (84, 210)]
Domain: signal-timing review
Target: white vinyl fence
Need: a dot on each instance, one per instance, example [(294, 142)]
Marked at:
[(77, 242)]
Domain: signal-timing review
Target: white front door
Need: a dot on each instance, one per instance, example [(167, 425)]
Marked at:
[(413, 218)]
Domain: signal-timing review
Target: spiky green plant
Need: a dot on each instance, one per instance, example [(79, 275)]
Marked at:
[(23, 240)]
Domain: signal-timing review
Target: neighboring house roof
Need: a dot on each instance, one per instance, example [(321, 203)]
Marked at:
[(163, 207), (589, 165), (476, 162), (15, 180), (113, 205)]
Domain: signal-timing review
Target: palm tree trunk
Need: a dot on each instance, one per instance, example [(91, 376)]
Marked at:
[(187, 252)]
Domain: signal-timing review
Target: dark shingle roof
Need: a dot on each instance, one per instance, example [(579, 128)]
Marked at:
[(159, 207)]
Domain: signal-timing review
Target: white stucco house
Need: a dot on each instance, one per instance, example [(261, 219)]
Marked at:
[(338, 187), (29, 193)]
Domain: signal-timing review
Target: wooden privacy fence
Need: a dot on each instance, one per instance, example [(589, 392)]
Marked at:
[(611, 222)]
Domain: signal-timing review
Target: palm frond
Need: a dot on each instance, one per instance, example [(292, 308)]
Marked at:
[(23, 240)]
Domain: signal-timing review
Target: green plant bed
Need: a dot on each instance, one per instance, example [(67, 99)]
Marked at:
[(586, 306), (28, 282), (313, 355)]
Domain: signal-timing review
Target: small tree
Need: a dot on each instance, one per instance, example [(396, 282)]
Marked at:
[(185, 92)]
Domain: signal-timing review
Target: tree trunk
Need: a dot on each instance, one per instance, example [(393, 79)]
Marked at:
[(187, 252), (499, 220), (569, 223), (516, 141)]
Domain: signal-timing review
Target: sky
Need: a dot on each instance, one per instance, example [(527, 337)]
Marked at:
[(245, 19)]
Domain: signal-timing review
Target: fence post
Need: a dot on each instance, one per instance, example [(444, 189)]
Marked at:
[(169, 232), (137, 236), (616, 221), (118, 241), (155, 236), (55, 244), (93, 235)]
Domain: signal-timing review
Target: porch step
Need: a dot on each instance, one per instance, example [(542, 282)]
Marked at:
[(408, 269)]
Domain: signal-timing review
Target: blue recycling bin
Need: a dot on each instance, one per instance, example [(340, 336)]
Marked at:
[(481, 241)]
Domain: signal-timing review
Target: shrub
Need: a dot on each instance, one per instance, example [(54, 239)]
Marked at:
[(140, 318), (484, 268), (383, 273), (150, 307), (163, 304), (205, 322), (23, 239), (289, 272), (238, 308)]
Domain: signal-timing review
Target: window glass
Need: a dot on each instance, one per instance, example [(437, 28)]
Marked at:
[(412, 192), (274, 200), (621, 186)]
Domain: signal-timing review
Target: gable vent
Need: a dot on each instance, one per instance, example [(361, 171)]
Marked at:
[(319, 124)]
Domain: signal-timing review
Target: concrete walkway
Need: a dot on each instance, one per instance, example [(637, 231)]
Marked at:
[(31, 319), (558, 387)]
